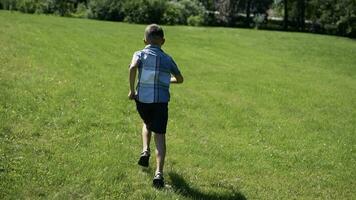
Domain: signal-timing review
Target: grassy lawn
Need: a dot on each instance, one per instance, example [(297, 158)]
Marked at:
[(261, 115)]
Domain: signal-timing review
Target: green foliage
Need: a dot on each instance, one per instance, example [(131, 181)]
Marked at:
[(174, 13), (59, 7), (336, 16), (82, 11), (260, 6), (258, 20), (323, 16), (192, 8), (195, 20), (27, 6), (185, 12), (8, 4), (144, 11), (106, 10)]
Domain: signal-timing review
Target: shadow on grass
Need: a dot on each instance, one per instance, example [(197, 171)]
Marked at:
[(147, 170), (181, 187)]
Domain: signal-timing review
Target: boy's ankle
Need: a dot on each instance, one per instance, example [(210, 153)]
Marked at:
[(159, 173)]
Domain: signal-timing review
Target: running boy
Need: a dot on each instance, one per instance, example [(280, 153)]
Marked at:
[(156, 70)]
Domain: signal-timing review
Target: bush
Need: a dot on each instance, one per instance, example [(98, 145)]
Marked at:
[(331, 29), (27, 6), (8, 4), (45, 6), (259, 19), (351, 31), (174, 13), (106, 10), (192, 8), (82, 11), (144, 11), (185, 12), (195, 10), (195, 20)]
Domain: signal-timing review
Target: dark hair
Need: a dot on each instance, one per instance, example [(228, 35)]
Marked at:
[(153, 32)]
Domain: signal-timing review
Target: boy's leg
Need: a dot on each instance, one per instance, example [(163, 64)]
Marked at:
[(160, 140), (146, 138)]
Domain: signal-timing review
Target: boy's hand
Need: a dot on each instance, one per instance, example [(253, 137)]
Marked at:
[(177, 78), (132, 95)]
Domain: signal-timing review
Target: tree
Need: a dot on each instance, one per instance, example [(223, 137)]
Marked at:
[(248, 12), (227, 11), (106, 10), (301, 15), (285, 20)]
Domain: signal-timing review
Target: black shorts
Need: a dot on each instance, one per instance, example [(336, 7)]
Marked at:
[(155, 116)]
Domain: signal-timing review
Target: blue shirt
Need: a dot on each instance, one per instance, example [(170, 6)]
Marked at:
[(154, 74)]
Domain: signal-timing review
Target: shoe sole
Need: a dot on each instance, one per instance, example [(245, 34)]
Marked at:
[(158, 183), (144, 161)]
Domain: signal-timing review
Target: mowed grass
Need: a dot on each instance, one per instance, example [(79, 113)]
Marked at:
[(261, 115)]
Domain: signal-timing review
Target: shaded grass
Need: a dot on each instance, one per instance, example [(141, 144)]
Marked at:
[(181, 187), (262, 115)]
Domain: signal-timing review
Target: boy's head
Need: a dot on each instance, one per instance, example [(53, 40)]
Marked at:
[(154, 35)]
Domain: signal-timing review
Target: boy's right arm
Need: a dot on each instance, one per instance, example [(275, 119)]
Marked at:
[(132, 77)]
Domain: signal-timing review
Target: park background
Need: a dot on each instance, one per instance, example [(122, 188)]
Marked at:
[(261, 115), (336, 17)]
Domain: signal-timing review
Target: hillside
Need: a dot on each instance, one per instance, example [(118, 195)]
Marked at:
[(261, 115)]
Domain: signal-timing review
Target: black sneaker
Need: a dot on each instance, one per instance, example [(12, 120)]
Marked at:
[(158, 181), (144, 159)]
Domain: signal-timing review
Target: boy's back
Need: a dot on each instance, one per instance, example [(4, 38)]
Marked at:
[(155, 68)]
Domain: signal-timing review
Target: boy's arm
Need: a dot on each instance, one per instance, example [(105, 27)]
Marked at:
[(178, 78), (176, 75), (132, 79)]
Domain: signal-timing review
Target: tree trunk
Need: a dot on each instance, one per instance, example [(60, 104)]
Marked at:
[(285, 22), (302, 15), (248, 13)]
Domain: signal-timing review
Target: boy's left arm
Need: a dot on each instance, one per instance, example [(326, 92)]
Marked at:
[(176, 77)]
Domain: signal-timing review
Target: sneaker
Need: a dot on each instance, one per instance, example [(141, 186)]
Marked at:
[(158, 181), (144, 159)]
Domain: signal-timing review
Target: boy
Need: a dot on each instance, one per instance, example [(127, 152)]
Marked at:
[(156, 70)]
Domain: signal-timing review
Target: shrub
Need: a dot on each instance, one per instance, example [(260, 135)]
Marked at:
[(193, 8), (174, 13), (259, 19), (331, 29), (144, 11), (8, 4), (106, 10), (27, 6), (62, 7), (82, 11), (45, 6), (352, 27), (195, 20)]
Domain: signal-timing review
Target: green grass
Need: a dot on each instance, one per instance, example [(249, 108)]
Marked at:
[(261, 115)]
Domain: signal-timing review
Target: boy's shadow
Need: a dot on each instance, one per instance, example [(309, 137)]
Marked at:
[(181, 186)]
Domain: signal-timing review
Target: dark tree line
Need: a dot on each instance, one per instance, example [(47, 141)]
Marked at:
[(320, 16)]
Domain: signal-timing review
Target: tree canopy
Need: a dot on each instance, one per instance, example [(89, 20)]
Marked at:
[(320, 16)]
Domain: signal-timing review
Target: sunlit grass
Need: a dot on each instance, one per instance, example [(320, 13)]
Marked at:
[(261, 115)]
